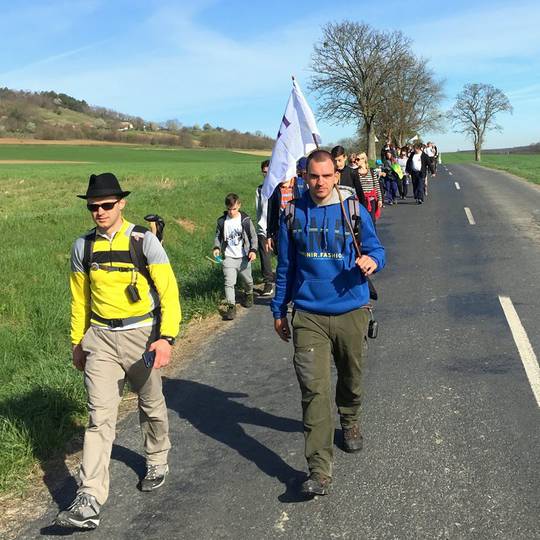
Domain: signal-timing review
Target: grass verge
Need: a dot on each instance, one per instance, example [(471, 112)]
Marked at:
[(42, 399), (526, 166)]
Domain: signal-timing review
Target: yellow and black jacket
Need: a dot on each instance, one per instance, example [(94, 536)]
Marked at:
[(102, 294)]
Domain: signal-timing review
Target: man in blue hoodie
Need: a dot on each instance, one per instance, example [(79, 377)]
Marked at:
[(320, 271)]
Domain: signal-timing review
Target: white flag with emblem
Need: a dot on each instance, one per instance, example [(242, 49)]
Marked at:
[(298, 136)]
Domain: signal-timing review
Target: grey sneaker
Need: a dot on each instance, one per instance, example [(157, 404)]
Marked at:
[(230, 312), (268, 289), (82, 514), (155, 477)]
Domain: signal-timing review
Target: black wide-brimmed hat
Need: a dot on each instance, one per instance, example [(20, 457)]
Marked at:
[(104, 185)]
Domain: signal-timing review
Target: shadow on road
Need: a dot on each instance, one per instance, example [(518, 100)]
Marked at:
[(132, 459), (44, 419), (215, 413)]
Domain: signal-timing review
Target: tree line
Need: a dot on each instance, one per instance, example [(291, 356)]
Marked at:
[(373, 79), (50, 115)]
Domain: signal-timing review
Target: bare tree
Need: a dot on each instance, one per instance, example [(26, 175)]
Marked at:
[(474, 112), (352, 65), (412, 102), (173, 124)]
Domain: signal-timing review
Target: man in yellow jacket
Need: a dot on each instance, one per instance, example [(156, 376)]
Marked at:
[(121, 309)]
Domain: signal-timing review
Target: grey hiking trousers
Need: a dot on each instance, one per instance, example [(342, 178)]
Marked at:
[(232, 267)]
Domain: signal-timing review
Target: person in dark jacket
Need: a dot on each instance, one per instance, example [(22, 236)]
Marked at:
[(417, 166), (264, 256), (390, 179), (347, 175)]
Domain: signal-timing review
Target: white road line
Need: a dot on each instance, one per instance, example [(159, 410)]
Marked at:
[(530, 362), (469, 216), (457, 185)]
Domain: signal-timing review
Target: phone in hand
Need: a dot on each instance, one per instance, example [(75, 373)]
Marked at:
[(149, 358)]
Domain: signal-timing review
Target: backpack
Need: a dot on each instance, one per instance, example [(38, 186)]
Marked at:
[(138, 258)]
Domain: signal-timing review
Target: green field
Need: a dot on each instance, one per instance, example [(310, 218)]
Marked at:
[(42, 401), (525, 165)]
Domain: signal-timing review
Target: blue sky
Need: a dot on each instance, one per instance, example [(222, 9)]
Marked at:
[(229, 62)]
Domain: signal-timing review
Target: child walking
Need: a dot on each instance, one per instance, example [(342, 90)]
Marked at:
[(236, 239)]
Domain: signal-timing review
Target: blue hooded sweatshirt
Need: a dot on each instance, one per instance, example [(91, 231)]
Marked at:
[(316, 259)]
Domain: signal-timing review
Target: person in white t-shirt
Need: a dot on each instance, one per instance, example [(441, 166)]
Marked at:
[(431, 152), (236, 240)]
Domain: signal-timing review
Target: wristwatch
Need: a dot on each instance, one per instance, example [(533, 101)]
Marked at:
[(169, 339)]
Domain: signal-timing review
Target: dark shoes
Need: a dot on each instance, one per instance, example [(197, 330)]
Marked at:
[(316, 484), (155, 477), (230, 312), (83, 513), (268, 289), (352, 439), (249, 300)]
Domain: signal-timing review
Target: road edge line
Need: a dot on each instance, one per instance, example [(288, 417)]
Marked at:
[(526, 352)]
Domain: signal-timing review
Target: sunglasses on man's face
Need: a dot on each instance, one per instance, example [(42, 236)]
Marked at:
[(106, 206)]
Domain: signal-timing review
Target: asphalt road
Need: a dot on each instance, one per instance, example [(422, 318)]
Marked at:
[(450, 422)]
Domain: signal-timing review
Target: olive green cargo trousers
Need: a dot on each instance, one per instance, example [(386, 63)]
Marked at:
[(318, 338)]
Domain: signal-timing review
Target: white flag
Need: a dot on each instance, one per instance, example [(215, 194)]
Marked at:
[(298, 136)]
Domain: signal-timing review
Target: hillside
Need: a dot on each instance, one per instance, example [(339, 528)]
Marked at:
[(57, 116)]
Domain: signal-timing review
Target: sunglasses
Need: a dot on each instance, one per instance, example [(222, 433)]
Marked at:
[(105, 206)]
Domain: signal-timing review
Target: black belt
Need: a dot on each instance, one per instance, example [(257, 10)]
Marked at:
[(120, 323)]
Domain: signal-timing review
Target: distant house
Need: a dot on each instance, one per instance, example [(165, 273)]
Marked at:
[(125, 126)]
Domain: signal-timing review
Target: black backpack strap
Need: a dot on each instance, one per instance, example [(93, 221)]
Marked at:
[(89, 240), (289, 213), (353, 206), (354, 213), (136, 253)]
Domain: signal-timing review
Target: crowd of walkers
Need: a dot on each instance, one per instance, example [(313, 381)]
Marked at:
[(398, 168), (400, 171)]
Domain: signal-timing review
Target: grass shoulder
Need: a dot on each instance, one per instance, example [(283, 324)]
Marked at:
[(42, 399), (526, 166)]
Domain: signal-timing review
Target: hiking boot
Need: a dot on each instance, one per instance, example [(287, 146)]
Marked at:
[(249, 300), (155, 477), (230, 312), (352, 439), (316, 484), (268, 289), (82, 514)]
